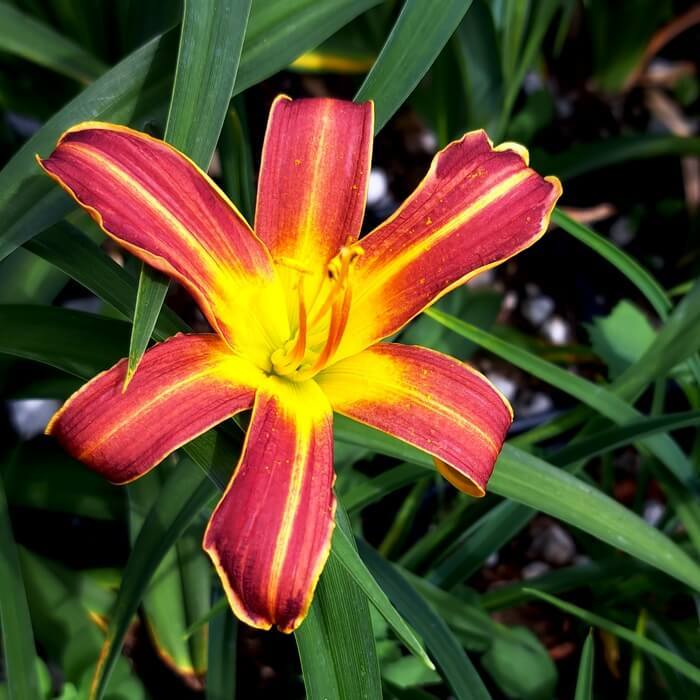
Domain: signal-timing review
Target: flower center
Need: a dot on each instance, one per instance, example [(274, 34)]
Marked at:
[(321, 320)]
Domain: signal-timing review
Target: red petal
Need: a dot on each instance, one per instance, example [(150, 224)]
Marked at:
[(428, 400), (184, 386), (270, 535), (313, 177), (476, 207), (162, 208)]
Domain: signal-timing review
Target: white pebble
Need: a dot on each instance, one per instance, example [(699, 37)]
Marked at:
[(378, 187), (29, 417)]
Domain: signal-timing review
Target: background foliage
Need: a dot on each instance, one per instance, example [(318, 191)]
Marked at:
[(578, 575)]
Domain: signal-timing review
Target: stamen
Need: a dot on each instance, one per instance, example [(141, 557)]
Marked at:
[(338, 273), (292, 264), (287, 361)]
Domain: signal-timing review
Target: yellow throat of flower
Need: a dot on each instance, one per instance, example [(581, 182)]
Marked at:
[(321, 320)]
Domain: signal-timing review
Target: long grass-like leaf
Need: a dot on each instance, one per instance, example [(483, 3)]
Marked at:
[(28, 38), (211, 40), (647, 645), (601, 399), (179, 502), (627, 265), (449, 656), (335, 642), (420, 32), (584, 680), (15, 623)]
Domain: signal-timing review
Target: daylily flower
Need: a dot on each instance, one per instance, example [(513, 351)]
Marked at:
[(299, 306)]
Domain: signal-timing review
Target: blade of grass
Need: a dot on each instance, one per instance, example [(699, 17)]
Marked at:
[(31, 39), (526, 479), (588, 157), (70, 251), (211, 40), (179, 502), (389, 481), (336, 642), (539, 21), (346, 552), (221, 671), (584, 680), (15, 623), (617, 436), (628, 266), (600, 571), (237, 161), (646, 645), (449, 656), (636, 673), (468, 553), (420, 32)]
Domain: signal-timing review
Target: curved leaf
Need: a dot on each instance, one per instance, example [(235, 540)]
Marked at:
[(420, 32)]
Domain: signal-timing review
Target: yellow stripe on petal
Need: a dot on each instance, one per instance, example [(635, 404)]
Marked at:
[(477, 207), (184, 386), (270, 534), (429, 400), (163, 209), (313, 178)]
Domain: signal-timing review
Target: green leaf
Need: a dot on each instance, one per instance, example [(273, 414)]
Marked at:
[(15, 623), (541, 15), (385, 483), (221, 666), (65, 605), (174, 598), (449, 656), (520, 666), (652, 648), (152, 289), (41, 475), (621, 337), (584, 158), (515, 14), (469, 551), (179, 502), (73, 341), (526, 479), (237, 161), (207, 63), (533, 482), (612, 438), (336, 642), (70, 251), (416, 39), (28, 38), (346, 552), (476, 50), (629, 267), (135, 92), (596, 396), (584, 681), (677, 339), (600, 573)]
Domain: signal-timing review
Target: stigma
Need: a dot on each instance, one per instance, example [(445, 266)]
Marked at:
[(321, 320)]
